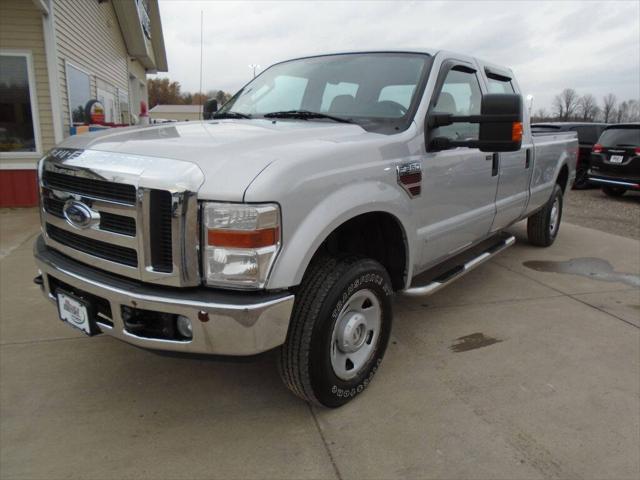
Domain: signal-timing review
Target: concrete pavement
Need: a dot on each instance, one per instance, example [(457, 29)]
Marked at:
[(515, 371)]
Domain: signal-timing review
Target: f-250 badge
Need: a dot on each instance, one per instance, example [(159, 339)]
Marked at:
[(410, 178)]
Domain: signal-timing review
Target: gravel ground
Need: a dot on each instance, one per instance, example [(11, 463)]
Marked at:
[(593, 209)]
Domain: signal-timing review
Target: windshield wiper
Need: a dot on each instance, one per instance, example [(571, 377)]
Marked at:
[(230, 115), (304, 115)]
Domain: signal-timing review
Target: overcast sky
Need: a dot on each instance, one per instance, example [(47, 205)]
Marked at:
[(591, 46)]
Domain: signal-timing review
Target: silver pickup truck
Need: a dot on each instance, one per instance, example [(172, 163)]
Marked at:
[(291, 218)]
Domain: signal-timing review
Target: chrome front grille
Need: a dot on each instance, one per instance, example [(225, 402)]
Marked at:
[(149, 234), (96, 248), (116, 192)]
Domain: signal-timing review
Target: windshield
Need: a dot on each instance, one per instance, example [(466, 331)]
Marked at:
[(614, 137), (376, 90)]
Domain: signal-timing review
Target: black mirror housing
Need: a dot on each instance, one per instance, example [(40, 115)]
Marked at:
[(210, 107), (501, 125), (500, 122)]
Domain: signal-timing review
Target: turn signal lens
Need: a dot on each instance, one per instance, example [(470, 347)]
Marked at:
[(597, 148), (243, 239), (516, 132)]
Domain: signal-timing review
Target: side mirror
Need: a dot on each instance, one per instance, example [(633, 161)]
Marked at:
[(500, 122), (501, 130), (210, 107)]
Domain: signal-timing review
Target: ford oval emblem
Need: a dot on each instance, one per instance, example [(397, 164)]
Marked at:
[(78, 214)]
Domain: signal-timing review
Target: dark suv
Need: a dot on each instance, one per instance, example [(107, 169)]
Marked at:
[(615, 159), (588, 134)]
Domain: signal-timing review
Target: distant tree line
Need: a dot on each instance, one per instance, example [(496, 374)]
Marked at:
[(569, 106), (162, 91)]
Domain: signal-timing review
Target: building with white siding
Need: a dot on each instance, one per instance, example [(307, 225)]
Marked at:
[(55, 57)]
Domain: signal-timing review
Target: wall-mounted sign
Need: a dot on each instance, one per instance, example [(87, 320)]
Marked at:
[(94, 112)]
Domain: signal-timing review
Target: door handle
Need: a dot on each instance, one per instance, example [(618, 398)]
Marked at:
[(527, 162), (489, 157), (495, 166)]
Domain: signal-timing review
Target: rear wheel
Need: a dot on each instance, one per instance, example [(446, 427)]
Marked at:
[(339, 330), (614, 191), (543, 227)]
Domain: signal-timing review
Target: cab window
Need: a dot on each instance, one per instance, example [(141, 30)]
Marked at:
[(495, 85), (460, 95)]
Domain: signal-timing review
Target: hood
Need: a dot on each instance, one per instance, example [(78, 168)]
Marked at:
[(230, 153)]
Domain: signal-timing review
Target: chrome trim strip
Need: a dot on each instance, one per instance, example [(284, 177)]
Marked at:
[(434, 286), (614, 182)]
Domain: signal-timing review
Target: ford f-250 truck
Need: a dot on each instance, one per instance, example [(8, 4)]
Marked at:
[(290, 219)]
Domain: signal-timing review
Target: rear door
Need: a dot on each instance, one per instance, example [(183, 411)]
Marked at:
[(514, 167), (457, 205)]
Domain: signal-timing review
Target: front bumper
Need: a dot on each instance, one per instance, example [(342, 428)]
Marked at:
[(239, 323)]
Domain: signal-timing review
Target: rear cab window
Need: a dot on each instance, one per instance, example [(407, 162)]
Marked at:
[(498, 81)]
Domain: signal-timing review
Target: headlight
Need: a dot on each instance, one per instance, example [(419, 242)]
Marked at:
[(241, 242)]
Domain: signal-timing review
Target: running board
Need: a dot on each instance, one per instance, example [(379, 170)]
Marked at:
[(459, 271)]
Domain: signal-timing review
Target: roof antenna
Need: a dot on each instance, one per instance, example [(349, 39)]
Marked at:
[(201, 42)]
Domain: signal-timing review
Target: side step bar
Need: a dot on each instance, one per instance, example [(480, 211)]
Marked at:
[(455, 273)]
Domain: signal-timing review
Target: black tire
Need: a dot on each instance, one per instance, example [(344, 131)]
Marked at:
[(614, 191), (305, 360), (542, 230), (582, 179)]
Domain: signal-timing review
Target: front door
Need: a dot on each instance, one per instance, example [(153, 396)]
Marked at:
[(457, 205)]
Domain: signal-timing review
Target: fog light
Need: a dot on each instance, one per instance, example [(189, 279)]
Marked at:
[(184, 327)]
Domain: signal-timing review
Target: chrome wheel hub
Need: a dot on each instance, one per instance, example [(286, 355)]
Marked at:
[(355, 334), (554, 217)]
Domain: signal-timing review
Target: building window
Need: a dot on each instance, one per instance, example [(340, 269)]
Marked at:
[(19, 133), (79, 92)]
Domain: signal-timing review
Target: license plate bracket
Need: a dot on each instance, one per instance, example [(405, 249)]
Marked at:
[(75, 311)]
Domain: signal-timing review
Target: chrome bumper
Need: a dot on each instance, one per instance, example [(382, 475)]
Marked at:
[(239, 323)]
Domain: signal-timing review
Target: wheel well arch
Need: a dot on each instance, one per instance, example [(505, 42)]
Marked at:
[(377, 235), (563, 177)]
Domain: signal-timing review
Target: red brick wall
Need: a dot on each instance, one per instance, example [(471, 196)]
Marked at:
[(18, 188)]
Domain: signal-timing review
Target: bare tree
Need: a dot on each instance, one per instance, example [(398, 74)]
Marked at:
[(540, 115), (623, 112), (566, 104), (588, 107), (608, 107), (634, 110)]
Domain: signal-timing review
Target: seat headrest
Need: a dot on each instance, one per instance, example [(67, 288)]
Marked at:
[(342, 104), (446, 103)]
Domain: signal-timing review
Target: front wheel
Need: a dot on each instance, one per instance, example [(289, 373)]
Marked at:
[(339, 330), (543, 227), (614, 191)]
